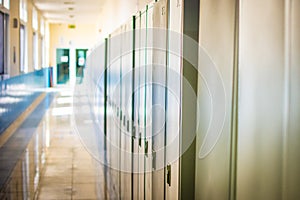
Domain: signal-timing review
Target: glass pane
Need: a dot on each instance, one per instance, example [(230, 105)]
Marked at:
[(1, 43), (35, 51), (6, 3), (42, 27), (22, 48), (34, 19)]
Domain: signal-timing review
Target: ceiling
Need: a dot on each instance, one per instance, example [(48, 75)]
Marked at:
[(70, 11), (106, 15), (87, 11)]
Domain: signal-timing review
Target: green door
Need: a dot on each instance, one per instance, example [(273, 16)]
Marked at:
[(63, 65)]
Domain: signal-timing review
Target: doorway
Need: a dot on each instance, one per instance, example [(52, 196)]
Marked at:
[(80, 64), (63, 65)]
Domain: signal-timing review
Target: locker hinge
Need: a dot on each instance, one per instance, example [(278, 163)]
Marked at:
[(169, 175)]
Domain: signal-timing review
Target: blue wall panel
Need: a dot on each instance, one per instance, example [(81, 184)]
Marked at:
[(18, 92)]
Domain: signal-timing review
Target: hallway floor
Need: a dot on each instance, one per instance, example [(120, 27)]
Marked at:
[(55, 164)]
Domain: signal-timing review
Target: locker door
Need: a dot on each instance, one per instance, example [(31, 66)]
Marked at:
[(293, 111), (148, 104), (262, 118), (136, 107), (127, 42), (215, 80), (108, 116), (159, 98), (174, 64), (122, 86), (115, 118), (142, 104), (105, 100)]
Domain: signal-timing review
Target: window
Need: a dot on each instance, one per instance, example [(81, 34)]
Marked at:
[(5, 4), (23, 68), (35, 51), (3, 42), (23, 10), (42, 27), (42, 43), (34, 19)]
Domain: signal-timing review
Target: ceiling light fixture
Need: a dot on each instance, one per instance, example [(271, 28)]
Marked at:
[(69, 3)]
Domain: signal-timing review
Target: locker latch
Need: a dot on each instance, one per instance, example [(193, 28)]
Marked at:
[(140, 139), (169, 175), (146, 148), (163, 11), (153, 160), (127, 125)]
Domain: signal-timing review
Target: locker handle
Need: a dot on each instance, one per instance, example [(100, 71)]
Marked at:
[(153, 160), (124, 120), (140, 139), (169, 175), (127, 125), (121, 114), (146, 148)]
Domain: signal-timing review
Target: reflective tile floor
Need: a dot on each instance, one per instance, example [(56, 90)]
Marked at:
[(55, 164)]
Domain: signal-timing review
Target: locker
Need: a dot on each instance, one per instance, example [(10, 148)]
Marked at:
[(115, 116), (159, 97), (266, 120), (174, 70), (148, 103), (126, 127), (216, 66), (142, 102), (136, 107), (292, 80)]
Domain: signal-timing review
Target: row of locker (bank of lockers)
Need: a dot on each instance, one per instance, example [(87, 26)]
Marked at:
[(201, 101)]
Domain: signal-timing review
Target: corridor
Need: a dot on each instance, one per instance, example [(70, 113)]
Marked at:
[(55, 164)]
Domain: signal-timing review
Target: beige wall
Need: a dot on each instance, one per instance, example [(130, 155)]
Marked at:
[(117, 12), (14, 38), (84, 36)]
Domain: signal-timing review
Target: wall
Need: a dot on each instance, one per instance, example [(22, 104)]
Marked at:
[(117, 12), (84, 36), (14, 38)]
